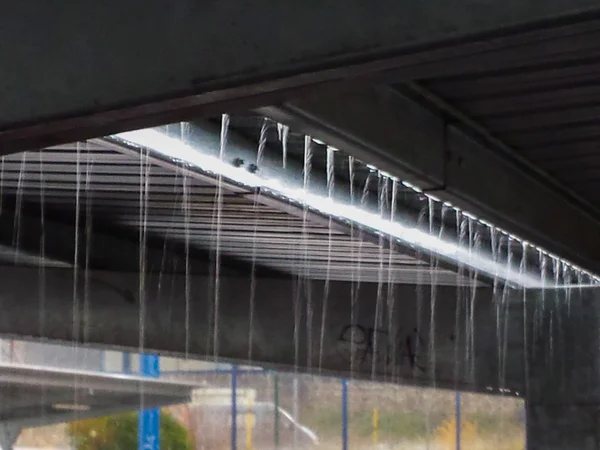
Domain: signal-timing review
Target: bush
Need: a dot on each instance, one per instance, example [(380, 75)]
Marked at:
[(120, 432)]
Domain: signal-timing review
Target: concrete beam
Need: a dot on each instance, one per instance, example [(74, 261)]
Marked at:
[(398, 135), (562, 375), (93, 68), (369, 331)]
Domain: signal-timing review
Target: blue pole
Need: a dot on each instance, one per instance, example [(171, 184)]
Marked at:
[(344, 414), (458, 420), (149, 419), (233, 407)]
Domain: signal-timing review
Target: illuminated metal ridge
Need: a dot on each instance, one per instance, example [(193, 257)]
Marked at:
[(196, 156)]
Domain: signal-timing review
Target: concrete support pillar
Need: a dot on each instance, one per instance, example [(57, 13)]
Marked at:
[(563, 426), (563, 383), (9, 433)]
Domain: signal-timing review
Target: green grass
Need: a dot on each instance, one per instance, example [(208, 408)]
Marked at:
[(392, 425)]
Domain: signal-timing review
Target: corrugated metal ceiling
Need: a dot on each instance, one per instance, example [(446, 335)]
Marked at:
[(104, 180)]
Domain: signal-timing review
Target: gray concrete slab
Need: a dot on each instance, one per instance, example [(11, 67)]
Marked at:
[(115, 63), (369, 331)]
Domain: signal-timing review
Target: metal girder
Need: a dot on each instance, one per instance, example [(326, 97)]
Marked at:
[(400, 136), (368, 330), (93, 68)]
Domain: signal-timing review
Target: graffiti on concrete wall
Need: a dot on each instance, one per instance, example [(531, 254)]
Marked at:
[(365, 346)]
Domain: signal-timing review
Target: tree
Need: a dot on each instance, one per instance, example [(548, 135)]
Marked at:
[(120, 432)]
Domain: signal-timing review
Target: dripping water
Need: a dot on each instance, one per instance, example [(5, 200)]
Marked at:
[(302, 287), (561, 345), (187, 211), (567, 281), (433, 268), (460, 235), (354, 286), (544, 277), (390, 300), (283, 133), (19, 203), (505, 312), (306, 285), (76, 318), (144, 177), (382, 188), (262, 143), (555, 316), (538, 312), (143, 237), (496, 246), (219, 213), (330, 191), (42, 266), (88, 243), (466, 240), (580, 282), (76, 265), (420, 288), (441, 236), (523, 270), (364, 200), (474, 248)]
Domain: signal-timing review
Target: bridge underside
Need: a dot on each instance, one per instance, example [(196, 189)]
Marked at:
[(487, 108), (158, 61), (106, 245)]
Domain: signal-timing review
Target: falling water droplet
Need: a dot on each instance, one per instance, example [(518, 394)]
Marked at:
[(390, 299), (219, 212), (283, 133), (76, 306), (379, 356), (187, 211), (42, 265), (523, 270), (19, 205), (433, 263), (474, 249), (88, 243), (355, 268), (262, 142), (459, 295), (330, 193), (144, 176), (306, 284), (505, 313)]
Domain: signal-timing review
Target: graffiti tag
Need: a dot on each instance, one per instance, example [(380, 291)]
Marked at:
[(368, 345)]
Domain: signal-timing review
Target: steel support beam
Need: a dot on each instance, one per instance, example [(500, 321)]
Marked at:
[(93, 68), (400, 136), (373, 331)]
